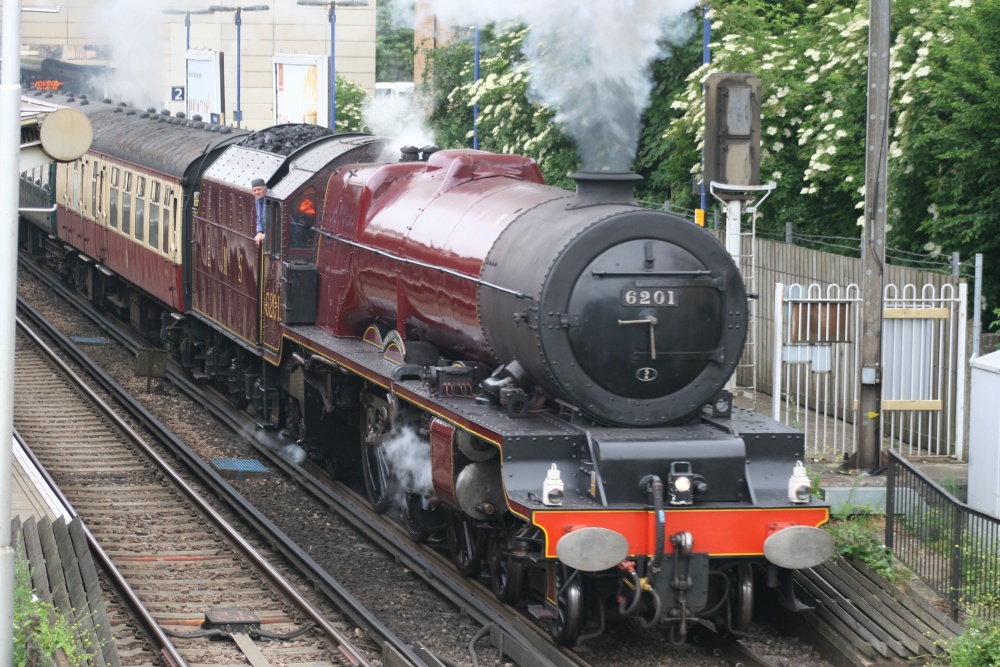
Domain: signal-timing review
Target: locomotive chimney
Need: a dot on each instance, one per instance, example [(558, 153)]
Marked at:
[(604, 187)]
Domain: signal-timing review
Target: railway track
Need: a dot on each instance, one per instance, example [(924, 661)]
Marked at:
[(195, 577), (524, 642)]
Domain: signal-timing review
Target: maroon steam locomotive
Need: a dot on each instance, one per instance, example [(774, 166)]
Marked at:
[(535, 373)]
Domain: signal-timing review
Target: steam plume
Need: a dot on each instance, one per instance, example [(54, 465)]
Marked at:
[(589, 61)]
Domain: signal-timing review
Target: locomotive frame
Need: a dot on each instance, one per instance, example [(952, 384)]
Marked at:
[(555, 362)]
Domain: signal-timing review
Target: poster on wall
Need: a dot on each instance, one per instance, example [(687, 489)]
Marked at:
[(204, 81), (301, 90)]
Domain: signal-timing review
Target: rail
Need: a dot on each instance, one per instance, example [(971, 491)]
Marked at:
[(953, 548)]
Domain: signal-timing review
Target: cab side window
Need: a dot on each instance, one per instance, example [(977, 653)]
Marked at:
[(302, 219), (272, 227)]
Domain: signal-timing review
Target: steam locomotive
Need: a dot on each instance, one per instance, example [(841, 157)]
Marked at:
[(537, 375)]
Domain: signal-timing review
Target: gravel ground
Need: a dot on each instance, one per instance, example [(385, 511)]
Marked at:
[(396, 595)]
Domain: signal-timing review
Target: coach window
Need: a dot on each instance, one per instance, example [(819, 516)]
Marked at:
[(76, 186), (154, 214), (113, 198), (127, 205), (168, 201), (140, 208), (93, 190)]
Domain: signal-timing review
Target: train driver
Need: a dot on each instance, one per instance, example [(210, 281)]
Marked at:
[(259, 189)]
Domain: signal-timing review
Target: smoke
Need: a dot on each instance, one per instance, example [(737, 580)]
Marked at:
[(401, 119), (400, 12), (409, 458), (589, 61), (292, 453), (133, 30)]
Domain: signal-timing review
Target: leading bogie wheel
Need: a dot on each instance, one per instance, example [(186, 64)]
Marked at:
[(465, 543), (506, 574), (741, 600), (565, 627)]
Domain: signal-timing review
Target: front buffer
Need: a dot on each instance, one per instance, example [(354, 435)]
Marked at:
[(666, 524)]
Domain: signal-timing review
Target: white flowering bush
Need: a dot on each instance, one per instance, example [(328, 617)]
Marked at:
[(811, 60), (508, 122), (351, 99)]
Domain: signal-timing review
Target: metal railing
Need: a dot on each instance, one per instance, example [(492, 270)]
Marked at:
[(953, 548)]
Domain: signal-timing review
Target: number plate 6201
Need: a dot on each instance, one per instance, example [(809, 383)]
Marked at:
[(632, 296)]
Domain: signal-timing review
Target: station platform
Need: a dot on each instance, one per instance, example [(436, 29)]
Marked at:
[(848, 489), (31, 496)]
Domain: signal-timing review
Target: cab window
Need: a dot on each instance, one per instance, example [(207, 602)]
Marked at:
[(302, 219), (272, 227)]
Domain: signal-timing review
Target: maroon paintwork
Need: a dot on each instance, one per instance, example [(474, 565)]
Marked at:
[(136, 263), (224, 260), (442, 213)]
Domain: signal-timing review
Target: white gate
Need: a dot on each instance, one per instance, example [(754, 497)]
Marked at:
[(817, 360)]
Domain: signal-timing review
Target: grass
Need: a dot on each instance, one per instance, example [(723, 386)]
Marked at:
[(39, 631)]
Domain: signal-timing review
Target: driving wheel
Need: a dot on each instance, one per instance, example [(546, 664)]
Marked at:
[(375, 467), (465, 542)]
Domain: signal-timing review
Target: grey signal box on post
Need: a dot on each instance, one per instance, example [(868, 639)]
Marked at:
[(732, 129)]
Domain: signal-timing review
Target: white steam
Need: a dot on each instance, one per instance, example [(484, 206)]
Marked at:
[(589, 62), (133, 30), (409, 458), (293, 453), (401, 13), (401, 119)]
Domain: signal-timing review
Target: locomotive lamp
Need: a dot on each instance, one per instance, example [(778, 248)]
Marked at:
[(798, 484), (552, 488), (679, 483), (332, 5)]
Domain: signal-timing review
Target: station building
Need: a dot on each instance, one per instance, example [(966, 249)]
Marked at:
[(146, 47)]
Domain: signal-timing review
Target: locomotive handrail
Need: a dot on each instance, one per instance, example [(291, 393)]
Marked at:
[(406, 260), (624, 274)]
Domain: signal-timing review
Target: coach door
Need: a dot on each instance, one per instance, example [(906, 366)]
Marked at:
[(271, 292)]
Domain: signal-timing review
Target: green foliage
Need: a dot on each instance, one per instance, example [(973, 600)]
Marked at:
[(38, 629), (394, 49), (977, 646), (811, 57), (654, 157), (811, 62), (351, 100), (508, 122), (946, 181), (859, 536)]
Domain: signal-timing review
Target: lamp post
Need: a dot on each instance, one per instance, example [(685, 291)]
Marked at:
[(475, 109), (332, 6), (187, 21), (239, 22)]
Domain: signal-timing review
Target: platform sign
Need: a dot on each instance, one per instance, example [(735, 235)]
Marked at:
[(301, 89), (205, 84), (176, 93)]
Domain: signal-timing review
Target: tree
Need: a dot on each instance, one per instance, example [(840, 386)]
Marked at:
[(508, 122), (394, 49)]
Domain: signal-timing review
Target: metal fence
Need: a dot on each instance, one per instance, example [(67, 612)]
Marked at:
[(817, 366), (953, 548)]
